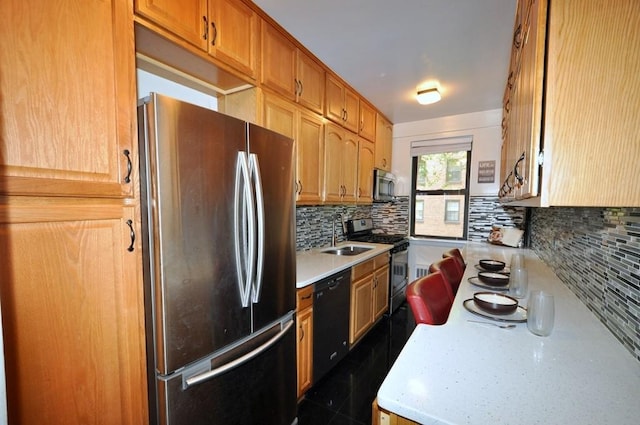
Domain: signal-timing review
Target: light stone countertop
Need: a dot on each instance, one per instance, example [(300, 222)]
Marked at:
[(314, 265), (471, 373)]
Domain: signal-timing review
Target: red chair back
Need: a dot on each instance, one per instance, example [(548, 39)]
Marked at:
[(451, 270), (455, 253), (429, 299)]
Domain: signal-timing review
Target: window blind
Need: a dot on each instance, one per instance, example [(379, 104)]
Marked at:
[(447, 144)]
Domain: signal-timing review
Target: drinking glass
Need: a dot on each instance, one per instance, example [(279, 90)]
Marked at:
[(517, 261), (518, 283), (540, 313)]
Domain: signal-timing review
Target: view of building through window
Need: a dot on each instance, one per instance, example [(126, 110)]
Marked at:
[(440, 194)]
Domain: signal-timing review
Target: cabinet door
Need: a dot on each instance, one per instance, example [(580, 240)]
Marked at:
[(310, 158), (333, 150), (310, 77), (365, 171), (367, 127), (186, 19), (361, 308), (334, 91), (72, 307), (381, 291), (67, 101), (349, 166), (278, 62), (280, 115), (304, 350), (352, 110), (384, 140), (233, 34)]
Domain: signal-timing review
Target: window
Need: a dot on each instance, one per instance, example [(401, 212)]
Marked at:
[(440, 192), (451, 211), (420, 210)]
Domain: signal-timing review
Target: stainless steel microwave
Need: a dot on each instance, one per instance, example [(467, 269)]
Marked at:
[(383, 186)]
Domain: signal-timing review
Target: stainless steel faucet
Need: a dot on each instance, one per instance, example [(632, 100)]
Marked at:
[(333, 233)]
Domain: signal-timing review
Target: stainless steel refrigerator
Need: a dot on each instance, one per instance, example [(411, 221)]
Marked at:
[(219, 272)]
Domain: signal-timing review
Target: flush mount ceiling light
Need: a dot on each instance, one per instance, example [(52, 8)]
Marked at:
[(427, 96)]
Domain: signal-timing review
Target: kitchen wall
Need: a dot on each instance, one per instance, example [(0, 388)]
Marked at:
[(596, 253), (484, 129)]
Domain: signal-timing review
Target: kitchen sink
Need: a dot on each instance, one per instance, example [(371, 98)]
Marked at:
[(347, 250)]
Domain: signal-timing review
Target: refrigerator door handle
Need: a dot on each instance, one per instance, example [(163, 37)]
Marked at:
[(244, 228), (198, 379), (254, 169)]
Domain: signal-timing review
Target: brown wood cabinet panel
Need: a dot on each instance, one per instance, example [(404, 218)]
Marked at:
[(366, 155), (185, 18), (305, 350), (279, 57), (352, 107), (547, 108), (73, 321), (310, 76), (342, 104), (367, 127), (384, 140), (310, 158), (67, 98), (380, 291), (233, 34), (361, 308)]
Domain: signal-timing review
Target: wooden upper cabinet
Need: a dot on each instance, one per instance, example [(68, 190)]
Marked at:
[(279, 57), (367, 127), (289, 71), (340, 165), (310, 78), (565, 47), (67, 101), (365, 171), (307, 129), (342, 104), (384, 140), (226, 29), (187, 18), (310, 158), (233, 34)]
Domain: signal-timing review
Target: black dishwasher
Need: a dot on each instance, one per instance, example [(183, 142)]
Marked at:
[(330, 322)]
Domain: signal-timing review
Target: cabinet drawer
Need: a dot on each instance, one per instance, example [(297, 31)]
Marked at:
[(304, 298), (381, 260), (362, 269)]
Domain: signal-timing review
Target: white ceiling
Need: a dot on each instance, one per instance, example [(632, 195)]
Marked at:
[(384, 49)]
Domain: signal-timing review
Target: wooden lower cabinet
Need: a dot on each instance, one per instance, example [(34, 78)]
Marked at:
[(304, 334), (305, 350), (369, 295), (73, 321), (380, 291)]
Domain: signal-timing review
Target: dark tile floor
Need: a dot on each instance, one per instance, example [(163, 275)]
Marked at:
[(345, 394)]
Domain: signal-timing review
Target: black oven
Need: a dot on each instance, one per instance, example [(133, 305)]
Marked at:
[(362, 230)]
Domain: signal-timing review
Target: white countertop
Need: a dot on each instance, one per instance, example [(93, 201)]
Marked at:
[(470, 373), (314, 265)]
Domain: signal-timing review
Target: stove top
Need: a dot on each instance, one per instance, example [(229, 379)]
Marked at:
[(362, 231)]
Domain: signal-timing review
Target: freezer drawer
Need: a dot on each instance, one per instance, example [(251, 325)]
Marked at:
[(259, 391)]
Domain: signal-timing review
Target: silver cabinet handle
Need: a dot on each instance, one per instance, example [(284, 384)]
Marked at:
[(197, 379)]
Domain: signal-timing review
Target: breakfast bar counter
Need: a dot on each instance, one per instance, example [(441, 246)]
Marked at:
[(472, 373)]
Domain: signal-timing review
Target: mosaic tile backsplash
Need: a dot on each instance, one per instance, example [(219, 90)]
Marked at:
[(487, 211), (596, 253), (314, 225)]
